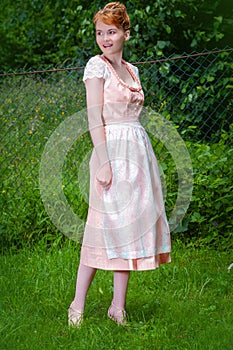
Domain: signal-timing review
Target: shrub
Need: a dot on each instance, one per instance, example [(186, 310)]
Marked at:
[(209, 217)]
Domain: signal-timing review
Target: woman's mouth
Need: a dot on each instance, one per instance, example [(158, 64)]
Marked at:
[(107, 45)]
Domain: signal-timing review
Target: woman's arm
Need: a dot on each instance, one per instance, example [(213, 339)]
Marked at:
[(94, 96)]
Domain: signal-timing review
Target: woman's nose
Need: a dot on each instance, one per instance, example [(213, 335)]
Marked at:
[(105, 37)]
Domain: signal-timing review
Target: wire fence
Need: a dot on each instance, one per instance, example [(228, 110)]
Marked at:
[(193, 91)]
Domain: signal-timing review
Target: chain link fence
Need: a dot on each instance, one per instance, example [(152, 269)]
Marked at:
[(193, 91)]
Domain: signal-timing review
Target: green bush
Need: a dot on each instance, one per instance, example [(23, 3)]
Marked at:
[(37, 33), (195, 93), (209, 217), (31, 109), (208, 220)]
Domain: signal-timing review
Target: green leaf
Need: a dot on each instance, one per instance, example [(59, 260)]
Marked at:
[(168, 29), (161, 44)]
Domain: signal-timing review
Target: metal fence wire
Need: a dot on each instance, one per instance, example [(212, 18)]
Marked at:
[(193, 91)]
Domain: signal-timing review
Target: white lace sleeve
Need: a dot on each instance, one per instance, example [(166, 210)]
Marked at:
[(95, 68), (135, 69)]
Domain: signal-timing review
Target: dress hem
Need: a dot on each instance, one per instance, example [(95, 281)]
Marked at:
[(141, 264)]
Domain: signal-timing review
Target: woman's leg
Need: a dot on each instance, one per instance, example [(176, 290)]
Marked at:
[(84, 279), (117, 309), (121, 279)]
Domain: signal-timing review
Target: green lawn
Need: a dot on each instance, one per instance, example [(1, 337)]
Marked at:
[(183, 305)]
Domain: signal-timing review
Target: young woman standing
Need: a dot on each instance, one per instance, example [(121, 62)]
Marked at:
[(126, 227)]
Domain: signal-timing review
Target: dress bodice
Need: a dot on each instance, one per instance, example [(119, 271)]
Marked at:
[(121, 102)]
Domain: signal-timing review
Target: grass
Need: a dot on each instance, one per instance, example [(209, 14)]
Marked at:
[(183, 305)]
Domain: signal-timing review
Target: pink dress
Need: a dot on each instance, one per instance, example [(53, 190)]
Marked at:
[(126, 227)]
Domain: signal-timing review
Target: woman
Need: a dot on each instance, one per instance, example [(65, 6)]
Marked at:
[(126, 228)]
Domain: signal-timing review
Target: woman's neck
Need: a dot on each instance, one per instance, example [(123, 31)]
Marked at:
[(116, 60)]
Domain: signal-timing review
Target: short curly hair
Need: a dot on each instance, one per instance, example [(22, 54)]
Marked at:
[(114, 13)]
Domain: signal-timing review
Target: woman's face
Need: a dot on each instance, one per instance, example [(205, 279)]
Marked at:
[(109, 38)]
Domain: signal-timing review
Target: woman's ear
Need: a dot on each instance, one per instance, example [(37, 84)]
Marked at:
[(127, 35)]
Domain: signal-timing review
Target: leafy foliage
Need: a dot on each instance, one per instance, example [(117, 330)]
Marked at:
[(37, 33), (194, 92), (209, 218)]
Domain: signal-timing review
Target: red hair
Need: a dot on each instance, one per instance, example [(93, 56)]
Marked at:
[(114, 13)]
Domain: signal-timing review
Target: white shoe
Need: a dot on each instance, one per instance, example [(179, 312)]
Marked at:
[(75, 317)]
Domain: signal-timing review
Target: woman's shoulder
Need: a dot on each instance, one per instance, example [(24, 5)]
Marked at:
[(132, 66), (95, 62), (95, 67), (134, 69)]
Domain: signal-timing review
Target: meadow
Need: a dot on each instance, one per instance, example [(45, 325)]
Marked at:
[(184, 305)]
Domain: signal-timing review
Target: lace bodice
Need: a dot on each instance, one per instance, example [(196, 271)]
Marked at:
[(122, 103), (96, 68)]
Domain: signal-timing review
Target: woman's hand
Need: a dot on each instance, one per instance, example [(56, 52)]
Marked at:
[(104, 175)]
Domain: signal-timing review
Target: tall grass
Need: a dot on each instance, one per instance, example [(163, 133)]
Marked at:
[(184, 305)]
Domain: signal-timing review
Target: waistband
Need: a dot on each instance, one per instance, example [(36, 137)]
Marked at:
[(122, 123)]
